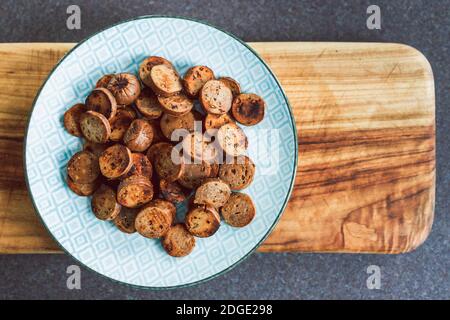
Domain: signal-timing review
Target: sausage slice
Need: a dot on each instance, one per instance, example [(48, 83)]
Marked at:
[(171, 191), (165, 81), (248, 109), (168, 206), (239, 173), (213, 121), (147, 65), (95, 127), (168, 164), (171, 123), (148, 105), (239, 211), (153, 222), (125, 220), (141, 166), (115, 161), (216, 97), (178, 242), (125, 87), (135, 191), (102, 101), (232, 139), (232, 84), (195, 78), (103, 81), (212, 192), (202, 221), (121, 122), (83, 189), (139, 135), (83, 167), (196, 147), (194, 174), (72, 119), (104, 203), (176, 105)]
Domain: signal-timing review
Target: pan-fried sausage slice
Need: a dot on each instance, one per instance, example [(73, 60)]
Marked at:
[(232, 139), (125, 87), (83, 189), (102, 101), (213, 121), (178, 242), (232, 84), (171, 123), (125, 220), (213, 192), (103, 81), (115, 161), (165, 81), (95, 127), (148, 105), (141, 166), (135, 191), (202, 221), (171, 191), (176, 105), (72, 119), (239, 211), (153, 222), (195, 78), (194, 174), (165, 205), (147, 65), (83, 167), (104, 203), (248, 109), (197, 147), (139, 135), (168, 164), (121, 122), (239, 173), (216, 97)]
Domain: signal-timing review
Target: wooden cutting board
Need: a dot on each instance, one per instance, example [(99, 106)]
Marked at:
[(365, 115)]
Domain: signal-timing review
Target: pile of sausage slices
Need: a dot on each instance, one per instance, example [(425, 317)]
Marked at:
[(148, 146)]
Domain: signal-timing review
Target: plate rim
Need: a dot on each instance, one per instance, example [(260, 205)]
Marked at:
[(268, 232)]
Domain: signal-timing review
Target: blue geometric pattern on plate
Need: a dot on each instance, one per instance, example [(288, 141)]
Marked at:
[(98, 245)]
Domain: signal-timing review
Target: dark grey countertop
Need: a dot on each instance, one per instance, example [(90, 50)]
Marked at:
[(422, 274)]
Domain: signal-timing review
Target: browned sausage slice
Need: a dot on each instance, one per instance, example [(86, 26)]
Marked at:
[(178, 242), (134, 191), (165, 205), (171, 191), (139, 135), (238, 173), (104, 203), (72, 119), (171, 123), (147, 65), (195, 78), (212, 192), (153, 222), (194, 174), (239, 211), (121, 122), (83, 167), (148, 105), (248, 109), (95, 127), (102, 101), (202, 221), (232, 84), (115, 161), (125, 220), (213, 121), (103, 81), (141, 166), (216, 97), (176, 105), (232, 139), (197, 147), (168, 164), (165, 81), (125, 87), (83, 189), (154, 150)]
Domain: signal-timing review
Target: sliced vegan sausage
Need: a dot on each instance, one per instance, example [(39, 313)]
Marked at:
[(121, 122), (83, 189), (239, 211), (165, 205), (195, 78), (125, 220), (125, 87), (164, 80), (135, 191), (104, 203), (141, 166), (171, 123), (232, 139), (153, 222), (194, 174), (139, 135), (72, 119), (168, 164), (83, 167), (238, 173), (178, 242), (176, 105), (232, 84), (95, 127), (202, 221), (147, 65), (196, 147), (216, 97), (171, 191), (115, 161), (213, 192), (102, 101), (148, 105), (248, 109), (103, 81), (213, 121)]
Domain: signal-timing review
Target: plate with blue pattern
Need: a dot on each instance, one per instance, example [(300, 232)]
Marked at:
[(99, 245)]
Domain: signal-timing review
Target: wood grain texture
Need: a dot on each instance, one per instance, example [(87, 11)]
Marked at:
[(365, 117)]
